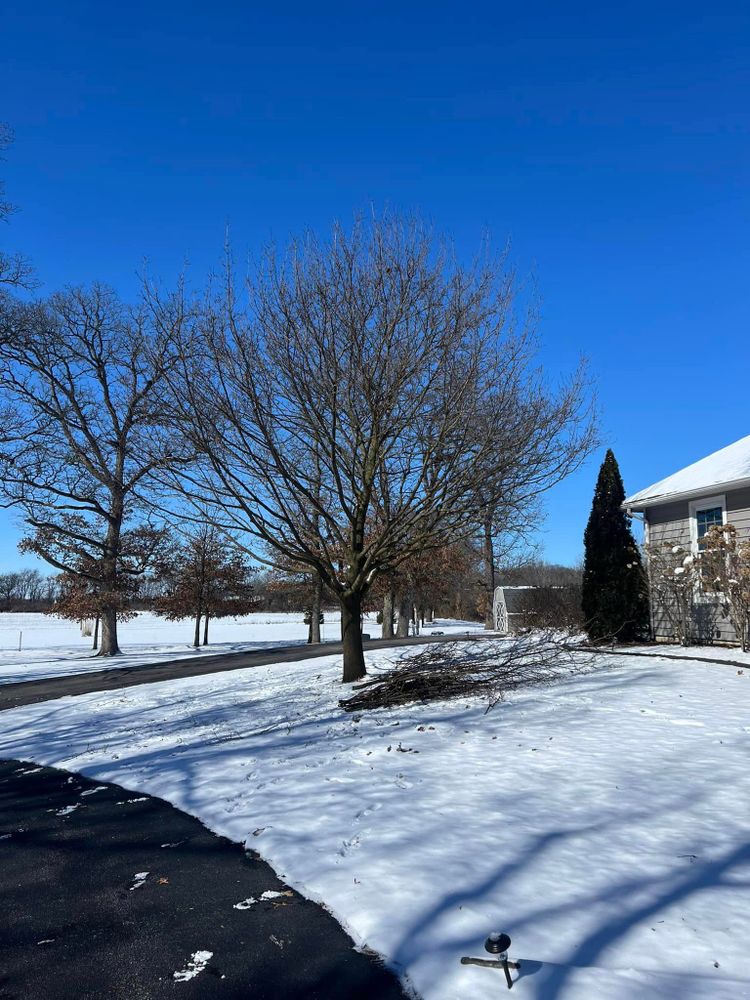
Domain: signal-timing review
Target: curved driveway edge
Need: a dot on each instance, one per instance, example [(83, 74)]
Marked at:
[(108, 893)]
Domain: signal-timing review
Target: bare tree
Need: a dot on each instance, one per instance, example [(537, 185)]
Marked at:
[(422, 583), (25, 589), (9, 589), (389, 607), (541, 436), (375, 353), (535, 572), (79, 376), (316, 610), (15, 270)]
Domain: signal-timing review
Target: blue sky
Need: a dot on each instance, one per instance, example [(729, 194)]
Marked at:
[(610, 146)]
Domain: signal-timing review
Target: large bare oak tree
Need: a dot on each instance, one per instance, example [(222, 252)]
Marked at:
[(79, 376), (339, 407)]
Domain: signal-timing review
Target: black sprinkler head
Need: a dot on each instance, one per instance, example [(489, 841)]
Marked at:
[(497, 943)]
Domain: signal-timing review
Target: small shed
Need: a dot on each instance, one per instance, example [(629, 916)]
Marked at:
[(511, 606)]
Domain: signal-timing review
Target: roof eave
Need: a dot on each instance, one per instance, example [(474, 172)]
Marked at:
[(665, 498)]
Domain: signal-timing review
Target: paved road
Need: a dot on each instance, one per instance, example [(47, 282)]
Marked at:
[(77, 922), (30, 692)]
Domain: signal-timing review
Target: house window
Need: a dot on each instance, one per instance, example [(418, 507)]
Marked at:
[(704, 515), (706, 519)]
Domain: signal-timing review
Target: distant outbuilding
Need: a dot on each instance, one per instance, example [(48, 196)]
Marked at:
[(511, 608), (519, 608)]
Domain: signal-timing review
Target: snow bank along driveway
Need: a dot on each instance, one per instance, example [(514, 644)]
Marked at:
[(602, 822)]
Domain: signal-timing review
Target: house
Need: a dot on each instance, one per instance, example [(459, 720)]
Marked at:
[(680, 509)]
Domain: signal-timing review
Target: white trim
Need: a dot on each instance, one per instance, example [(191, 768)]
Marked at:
[(638, 502), (500, 610), (705, 503)]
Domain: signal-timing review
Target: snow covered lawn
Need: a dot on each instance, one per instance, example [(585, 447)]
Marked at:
[(52, 647), (602, 822)]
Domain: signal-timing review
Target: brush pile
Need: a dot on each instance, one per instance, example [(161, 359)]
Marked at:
[(487, 668)]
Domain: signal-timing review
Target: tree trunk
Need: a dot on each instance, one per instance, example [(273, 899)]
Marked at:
[(488, 558), (404, 614), (313, 634), (388, 615), (96, 633), (197, 633), (109, 646), (205, 630), (351, 637)]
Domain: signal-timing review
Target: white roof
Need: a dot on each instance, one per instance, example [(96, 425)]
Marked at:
[(728, 467)]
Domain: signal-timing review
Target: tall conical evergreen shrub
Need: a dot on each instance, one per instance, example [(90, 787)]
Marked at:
[(614, 595)]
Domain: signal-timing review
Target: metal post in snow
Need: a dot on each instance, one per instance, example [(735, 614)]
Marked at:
[(20, 641)]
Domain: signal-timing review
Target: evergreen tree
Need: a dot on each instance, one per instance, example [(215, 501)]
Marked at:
[(614, 594)]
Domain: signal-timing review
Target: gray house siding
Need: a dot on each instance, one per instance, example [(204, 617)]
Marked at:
[(738, 510), (670, 523)]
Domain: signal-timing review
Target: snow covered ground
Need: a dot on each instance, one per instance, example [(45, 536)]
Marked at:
[(602, 821), (52, 647)]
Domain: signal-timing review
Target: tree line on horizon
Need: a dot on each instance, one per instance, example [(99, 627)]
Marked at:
[(177, 588)]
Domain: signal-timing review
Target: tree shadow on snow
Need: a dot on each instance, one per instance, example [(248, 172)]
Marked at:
[(622, 897)]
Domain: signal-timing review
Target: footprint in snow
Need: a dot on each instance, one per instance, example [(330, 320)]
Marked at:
[(349, 845), (373, 807), (235, 803)]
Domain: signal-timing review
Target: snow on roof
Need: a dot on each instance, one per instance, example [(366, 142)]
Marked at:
[(728, 465)]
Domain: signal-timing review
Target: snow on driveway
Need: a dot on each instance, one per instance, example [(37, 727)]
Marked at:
[(602, 822)]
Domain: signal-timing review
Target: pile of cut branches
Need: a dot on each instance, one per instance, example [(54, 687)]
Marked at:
[(484, 668)]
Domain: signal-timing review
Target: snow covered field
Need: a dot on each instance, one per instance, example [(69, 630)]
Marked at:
[(602, 822), (52, 647)]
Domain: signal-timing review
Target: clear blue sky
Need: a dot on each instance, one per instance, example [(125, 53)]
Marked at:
[(610, 145)]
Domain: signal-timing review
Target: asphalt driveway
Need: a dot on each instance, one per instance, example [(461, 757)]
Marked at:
[(108, 893), (31, 692)]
